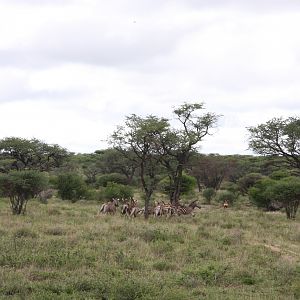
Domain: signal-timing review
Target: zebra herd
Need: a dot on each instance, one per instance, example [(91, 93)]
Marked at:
[(130, 208)]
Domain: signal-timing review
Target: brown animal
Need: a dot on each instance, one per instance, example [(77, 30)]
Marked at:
[(225, 204)]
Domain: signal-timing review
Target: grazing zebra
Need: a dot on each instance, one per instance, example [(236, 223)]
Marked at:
[(186, 210), (109, 207)]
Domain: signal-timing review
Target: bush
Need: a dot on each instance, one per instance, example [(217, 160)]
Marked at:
[(71, 187), (258, 195), (115, 190), (226, 195), (208, 194), (287, 192), (187, 186), (103, 180), (280, 174), (231, 187), (248, 181), (93, 194)]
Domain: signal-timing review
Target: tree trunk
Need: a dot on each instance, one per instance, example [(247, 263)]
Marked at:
[(177, 185), (147, 201)]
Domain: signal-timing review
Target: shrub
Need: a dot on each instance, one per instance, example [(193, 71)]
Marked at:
[(287, 192), (231, 187), (71, 187), (280, 174), (188, 185), (257, 193), (115, 190), (226, 195), (248, 181), (208, 194)]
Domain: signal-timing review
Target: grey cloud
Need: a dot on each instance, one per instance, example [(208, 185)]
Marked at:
[(90, 44)]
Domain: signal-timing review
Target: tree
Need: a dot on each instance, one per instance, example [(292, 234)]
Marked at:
[(139, 137), (20, 186), (278, 137), (177, 145), (257, 193), (32, 154), (210, 170), (286, 191)]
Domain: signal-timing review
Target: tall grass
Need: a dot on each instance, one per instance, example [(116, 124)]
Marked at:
[(64, 251)]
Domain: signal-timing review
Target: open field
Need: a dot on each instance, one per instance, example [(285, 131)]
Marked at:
[(64, 251)]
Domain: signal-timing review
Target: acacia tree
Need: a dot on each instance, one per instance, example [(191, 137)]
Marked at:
[(32, 154), (20, 186), (278, 137), (178, 144), (139, 137)]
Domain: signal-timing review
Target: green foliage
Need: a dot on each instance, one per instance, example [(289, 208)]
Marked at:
[(115, 190), (224, 195), (279, 174), (188, 185), (20, 186), (258, 195), (103, 180), (32, 154), (248, 181), (286, 191), (280, 137), (208, 194), (71, 187), (93, 194), (232, 187)]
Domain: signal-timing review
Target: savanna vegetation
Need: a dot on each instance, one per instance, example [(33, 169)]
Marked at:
[(55, 245)]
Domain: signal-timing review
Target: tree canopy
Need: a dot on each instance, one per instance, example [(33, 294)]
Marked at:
[(279, 137), (31, 154)]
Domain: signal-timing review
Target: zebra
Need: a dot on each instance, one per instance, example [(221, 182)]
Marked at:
[(109, 207), (129, 208), (163, 208), (186, 210)]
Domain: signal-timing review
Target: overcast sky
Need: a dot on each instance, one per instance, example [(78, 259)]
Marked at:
[(71, 70)]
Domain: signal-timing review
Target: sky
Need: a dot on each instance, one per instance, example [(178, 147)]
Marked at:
[(71, 70)]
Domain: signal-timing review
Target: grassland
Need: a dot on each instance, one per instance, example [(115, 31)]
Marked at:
[(63, 250)]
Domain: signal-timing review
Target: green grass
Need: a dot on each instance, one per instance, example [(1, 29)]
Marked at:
[(64, 251)]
